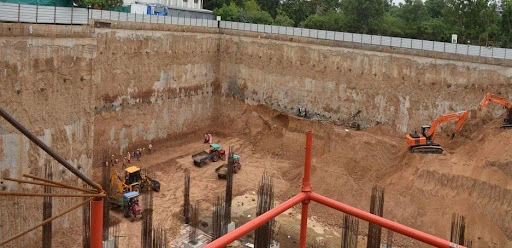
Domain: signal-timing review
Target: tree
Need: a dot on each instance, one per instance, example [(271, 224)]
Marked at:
[(392, 25), (217, 4), (435, 29), (330, 21), (413, 13), (99, 4), (269, 6), (298, 10), (252, 13), (229, 12), (282, 19), (435, 8), (364, 16), (506, 23)]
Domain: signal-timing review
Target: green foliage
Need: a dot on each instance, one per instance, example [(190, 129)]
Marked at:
[(217, 4), (506, 23), (282, 19), (364, 16), (392, 26), (298, 10), (435, 8), (413, 13), (250, 13), (229, 12), (435, 29), (330, 21), (253, 13), (99, 4), (269, 6)]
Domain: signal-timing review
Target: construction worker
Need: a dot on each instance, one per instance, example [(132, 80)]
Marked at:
[(124, 164), (210, 138), (206, 138), (128, 157), (149, 148)]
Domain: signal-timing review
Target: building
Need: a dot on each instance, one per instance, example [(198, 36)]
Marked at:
[(186, 4)]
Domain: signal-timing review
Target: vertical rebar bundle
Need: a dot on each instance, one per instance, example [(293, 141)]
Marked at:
[(458, 230), (147, 221), (86, 224), (263, 234), (376, 208), (47, 209), (192, 235), (219, 227), (105, 184), (349, 232), (389, 239), (159, 238), (229, 187), (113, 234), (186, 195)]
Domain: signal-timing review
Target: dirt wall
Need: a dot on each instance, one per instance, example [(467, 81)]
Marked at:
[(115, 90), (152, 85), (47, 86), (334, 83)]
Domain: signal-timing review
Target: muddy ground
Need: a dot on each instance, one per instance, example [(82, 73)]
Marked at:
[(472, 177)]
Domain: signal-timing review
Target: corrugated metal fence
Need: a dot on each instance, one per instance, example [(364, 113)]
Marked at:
[(174, 20), (10, 12), (463, 49), (61, 15)]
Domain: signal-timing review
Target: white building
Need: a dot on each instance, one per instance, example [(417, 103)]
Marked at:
[(186, 4)]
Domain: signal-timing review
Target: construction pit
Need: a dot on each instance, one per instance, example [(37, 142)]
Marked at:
[(347, 163), (246, 90)]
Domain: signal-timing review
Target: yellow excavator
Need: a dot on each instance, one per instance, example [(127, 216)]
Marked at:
[(489, 97), (134, 180), (424, 142)]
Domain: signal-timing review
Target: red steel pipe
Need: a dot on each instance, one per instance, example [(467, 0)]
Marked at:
[(306, 188), (304, 224), (306, 180), (97, 223), (396, 227), (253, 224)]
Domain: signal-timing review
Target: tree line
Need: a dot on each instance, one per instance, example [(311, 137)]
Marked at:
[(476, 22)]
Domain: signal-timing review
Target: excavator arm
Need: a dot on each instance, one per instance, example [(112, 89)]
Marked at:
[(489, 97), (460, 117)]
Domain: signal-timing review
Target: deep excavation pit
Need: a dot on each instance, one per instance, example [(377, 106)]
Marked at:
[(420, 188), (117, 90)]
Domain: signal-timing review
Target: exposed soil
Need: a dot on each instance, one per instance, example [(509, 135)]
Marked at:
[(472, 177)]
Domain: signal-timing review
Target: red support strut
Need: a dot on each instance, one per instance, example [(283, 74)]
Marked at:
[(253, 224), (97, 223), (396, 227), (305, 196)]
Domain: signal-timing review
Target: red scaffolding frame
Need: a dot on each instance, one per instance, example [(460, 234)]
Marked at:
[(306, 196)]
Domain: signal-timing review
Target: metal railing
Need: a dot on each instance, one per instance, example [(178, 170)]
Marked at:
[(62, 15)]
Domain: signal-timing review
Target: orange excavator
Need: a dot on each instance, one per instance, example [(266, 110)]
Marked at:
[(424, 142), (489, 97)]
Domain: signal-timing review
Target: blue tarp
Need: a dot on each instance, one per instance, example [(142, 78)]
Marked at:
[(215, 146), (236, 157), (130, 194)]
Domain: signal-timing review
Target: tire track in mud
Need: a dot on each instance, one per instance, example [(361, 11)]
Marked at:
[(492, 200)]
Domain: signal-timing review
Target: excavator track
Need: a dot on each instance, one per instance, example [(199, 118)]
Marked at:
[(427, 149)]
